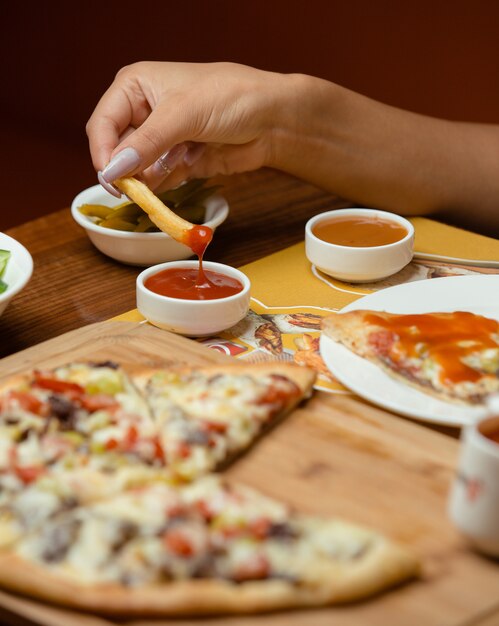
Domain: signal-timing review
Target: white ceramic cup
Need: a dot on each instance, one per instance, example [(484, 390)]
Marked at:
[(474, 496), (193, 318), (359, 264)]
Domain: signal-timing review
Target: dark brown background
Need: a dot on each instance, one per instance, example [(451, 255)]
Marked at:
[(435, 57)]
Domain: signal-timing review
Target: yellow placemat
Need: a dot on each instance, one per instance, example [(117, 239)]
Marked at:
[(436, 238), (290, 296)]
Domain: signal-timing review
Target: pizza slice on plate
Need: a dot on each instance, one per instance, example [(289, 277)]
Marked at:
[(208, 547), (454, 356), (206, 416)]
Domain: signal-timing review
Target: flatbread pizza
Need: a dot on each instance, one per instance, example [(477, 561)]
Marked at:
[(109, 502)]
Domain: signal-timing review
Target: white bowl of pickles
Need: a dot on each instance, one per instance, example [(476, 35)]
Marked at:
[(121, 230)]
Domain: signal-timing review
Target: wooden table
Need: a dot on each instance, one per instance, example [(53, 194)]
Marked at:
[(74, 285)]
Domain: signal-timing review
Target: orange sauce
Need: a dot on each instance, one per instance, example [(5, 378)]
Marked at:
[(493, 436), (444, 337), (186, 284), (358, 231), (489, 428)]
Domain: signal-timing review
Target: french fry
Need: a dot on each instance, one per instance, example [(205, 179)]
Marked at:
[(164, 218)]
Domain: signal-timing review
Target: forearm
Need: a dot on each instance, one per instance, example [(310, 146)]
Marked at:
[(381, 156)]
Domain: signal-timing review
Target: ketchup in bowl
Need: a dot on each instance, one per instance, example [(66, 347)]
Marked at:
[(193, 284), (178, 297)]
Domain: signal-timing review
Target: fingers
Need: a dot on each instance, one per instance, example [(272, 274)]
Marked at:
[(181, 156), (206, 161), (158, 142), (116, 114), (161, 118)]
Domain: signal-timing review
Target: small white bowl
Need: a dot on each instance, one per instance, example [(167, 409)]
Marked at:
[(19, 269), (141, 249), (359, 264), (193, 318)]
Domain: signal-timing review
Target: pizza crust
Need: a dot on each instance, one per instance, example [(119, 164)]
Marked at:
[(14, 382), (303, 377), (385, 565)]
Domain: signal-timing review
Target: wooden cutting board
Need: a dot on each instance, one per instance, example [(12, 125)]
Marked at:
[(335, 455)]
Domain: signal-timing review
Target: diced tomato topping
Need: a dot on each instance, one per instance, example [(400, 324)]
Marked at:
[(26, 473), (278, 395), (58, 386), (183, 450), (216, 427), (255, 568), (28, 402), (260, 527), (131, 437), (98, 402), (204, 510), (29, 474), (159, 453), (111, 444), (178, 543), (382, 341)]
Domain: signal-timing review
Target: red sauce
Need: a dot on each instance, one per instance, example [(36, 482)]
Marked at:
[(186, 284), (444, 337), (198, 238), (359, 232)]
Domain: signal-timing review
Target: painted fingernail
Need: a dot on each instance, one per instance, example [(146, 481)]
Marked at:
[(121, 164), (168, 161), (194, 153), (107, 186)]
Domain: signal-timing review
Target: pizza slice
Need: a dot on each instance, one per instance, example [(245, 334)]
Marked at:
[(208, 547), (206, 416), (454, 356), (81, 480), (48, 416)]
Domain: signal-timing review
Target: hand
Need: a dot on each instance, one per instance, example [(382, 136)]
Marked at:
[(167, 122)]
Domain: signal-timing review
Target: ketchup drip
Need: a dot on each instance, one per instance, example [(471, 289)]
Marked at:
[(198, 238), (191, 284)]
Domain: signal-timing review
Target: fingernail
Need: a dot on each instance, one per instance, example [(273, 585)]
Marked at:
[(107, 186), (194, 153), (121, 164), (168, 161)]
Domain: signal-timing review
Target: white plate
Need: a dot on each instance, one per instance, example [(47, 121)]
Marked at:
[(478, 294)]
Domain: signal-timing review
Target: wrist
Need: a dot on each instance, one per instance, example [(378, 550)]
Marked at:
[(305, 124)]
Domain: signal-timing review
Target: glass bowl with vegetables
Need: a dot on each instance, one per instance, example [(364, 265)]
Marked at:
[(121, 230), (16, 267)]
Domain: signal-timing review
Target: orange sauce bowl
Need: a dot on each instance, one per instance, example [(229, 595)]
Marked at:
[(359, 245), (188, 316)]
